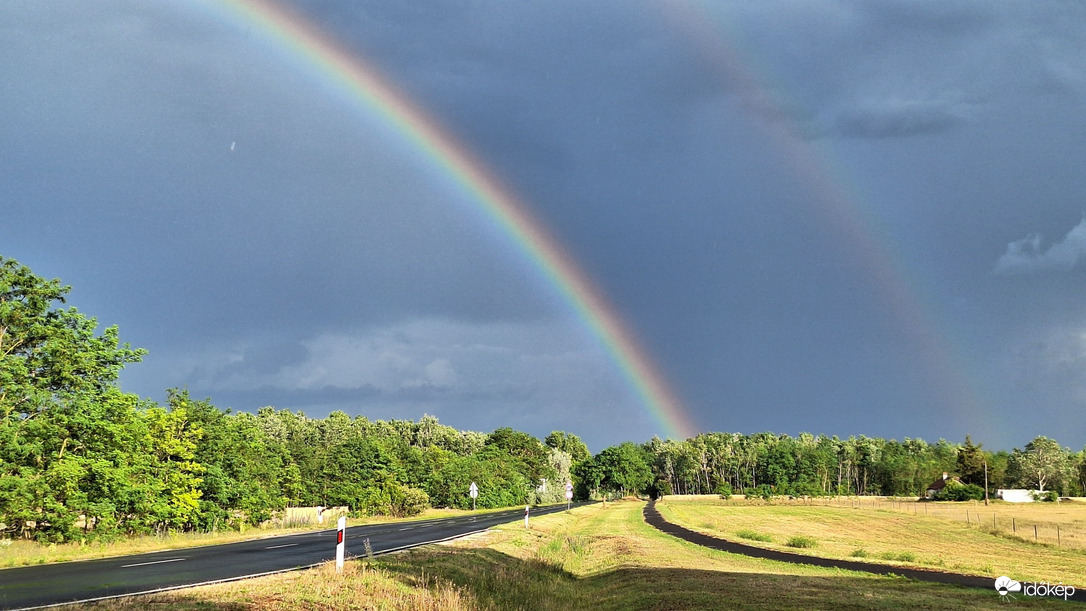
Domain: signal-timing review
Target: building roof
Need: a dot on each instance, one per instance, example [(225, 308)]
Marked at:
[(939, 484)]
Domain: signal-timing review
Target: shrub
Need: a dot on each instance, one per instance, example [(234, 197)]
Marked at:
[(763, 492), (955, 491), (724, 490), (753, 535), (802, 541), (1048, 496)]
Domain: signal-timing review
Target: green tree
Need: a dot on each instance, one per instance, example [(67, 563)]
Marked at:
[(500, 483), (568, 443), (1041, 463), (971, 463), (530, 455), (624, 468), (62, 448), (175, 502)]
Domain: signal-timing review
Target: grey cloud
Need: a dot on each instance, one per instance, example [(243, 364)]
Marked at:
[(1026, 255), (295, 398), (264, 359), (898, 118)]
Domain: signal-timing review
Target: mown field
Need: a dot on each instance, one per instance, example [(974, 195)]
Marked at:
[(938, 536), (593, 557)]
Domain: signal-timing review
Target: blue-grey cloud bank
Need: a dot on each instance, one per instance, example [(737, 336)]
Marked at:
[(838, 217)]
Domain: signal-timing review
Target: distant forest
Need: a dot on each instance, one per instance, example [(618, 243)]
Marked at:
[(80, 459)]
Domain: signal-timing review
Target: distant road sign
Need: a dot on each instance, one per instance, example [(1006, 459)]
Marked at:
[(569, 494), (473, 491)]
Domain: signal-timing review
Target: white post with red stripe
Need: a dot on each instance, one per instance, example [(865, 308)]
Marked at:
[(341, 527)]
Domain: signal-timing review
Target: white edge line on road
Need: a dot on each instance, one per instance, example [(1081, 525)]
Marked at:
[(125, 566), (283, 545), (239, 578)]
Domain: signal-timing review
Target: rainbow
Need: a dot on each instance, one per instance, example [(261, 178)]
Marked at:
[(904, 290), (343, 69)]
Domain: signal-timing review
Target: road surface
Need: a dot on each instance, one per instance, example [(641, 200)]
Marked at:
[(49, 584)]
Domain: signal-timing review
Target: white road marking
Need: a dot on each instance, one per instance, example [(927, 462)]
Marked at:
[(284, 545), (125, 566)]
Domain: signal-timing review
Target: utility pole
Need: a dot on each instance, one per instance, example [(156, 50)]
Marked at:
[(986, 483)]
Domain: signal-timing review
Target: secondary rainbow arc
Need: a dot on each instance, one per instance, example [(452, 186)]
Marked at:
[(346, 70)]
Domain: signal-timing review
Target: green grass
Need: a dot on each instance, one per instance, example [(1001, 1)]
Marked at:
[(753, 535), (898, 556), (802, 542), (603, 558)]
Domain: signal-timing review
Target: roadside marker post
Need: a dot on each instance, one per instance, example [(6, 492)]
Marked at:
[(526, 508), (340, 542), (473, 492)]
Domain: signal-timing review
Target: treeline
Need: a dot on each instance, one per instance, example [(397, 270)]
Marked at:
[(81, 459), (808, 465)]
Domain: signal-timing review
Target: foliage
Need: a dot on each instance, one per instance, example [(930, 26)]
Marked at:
[(753, 535), (802, 541), (1042, 463), (1048, 496), (62, 419), (956, 491), (623, 469), (763, 491), (568, 443), (971, 463)]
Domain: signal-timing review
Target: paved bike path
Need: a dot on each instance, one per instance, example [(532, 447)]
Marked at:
[(654, 518)]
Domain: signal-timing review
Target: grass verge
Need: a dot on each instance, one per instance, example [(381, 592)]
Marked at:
[(603, 558)]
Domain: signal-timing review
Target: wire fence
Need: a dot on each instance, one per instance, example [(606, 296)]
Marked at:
[(1059, 524)]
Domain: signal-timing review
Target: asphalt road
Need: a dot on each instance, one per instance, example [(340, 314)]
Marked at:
[(49, 584)]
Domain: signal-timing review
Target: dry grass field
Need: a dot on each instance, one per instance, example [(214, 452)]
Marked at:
[(592, 557), (928, 535)]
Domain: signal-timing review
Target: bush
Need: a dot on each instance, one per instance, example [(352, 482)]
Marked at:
[(802, 541), (724, 490), (1048, 496), (753, 535), (763, 492), (955, 491)]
